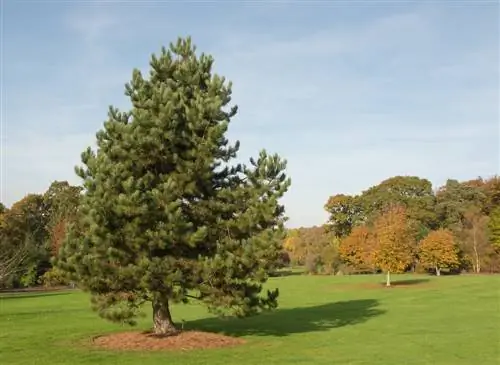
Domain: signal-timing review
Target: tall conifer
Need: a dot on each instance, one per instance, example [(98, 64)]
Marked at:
[(166, 217)]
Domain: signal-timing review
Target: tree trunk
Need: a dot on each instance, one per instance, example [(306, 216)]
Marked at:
[(162, 319), (438, 271), (388, 279), (478, 263)]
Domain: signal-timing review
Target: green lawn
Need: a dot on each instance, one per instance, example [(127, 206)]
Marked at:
[(452, 320)]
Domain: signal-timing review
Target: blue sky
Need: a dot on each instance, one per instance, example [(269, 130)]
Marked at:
[(349, 92)]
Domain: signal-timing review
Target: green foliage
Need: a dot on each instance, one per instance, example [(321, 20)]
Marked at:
[(165, 217), (494, 228), (54, 277), (61, 201), (411, 192), (29, 278), (345, 213), (454, 199), (22, 228)]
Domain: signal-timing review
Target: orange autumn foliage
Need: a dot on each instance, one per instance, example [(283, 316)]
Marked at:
[(394, 241), (57, 236), (439, 250), (356, 249)]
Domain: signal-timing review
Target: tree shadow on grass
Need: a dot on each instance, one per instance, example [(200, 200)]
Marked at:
[(284, 322), (408, 282), (281, 273)]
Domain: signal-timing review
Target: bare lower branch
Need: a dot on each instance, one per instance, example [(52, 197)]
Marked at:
[(11, 262)]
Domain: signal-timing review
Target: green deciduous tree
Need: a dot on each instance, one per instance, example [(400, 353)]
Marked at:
[(411, 192), (23, 227), (345, 213), (165, 216), (454, 199)]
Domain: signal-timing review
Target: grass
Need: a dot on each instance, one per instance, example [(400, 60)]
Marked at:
[(452, 320)]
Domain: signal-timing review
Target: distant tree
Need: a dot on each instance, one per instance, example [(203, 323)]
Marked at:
[(411, 192), (345, 213), (12, 261), (330, 257), (454, 199), (61, 201), (357, 248), (439, 250), (165, 217), (491, 190), (293, 246), (394, 247), (315, 247), (23, 226), (27, 216), (494, 228), (473, 235)]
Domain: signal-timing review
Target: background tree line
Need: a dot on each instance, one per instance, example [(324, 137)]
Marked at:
[(399, 225), (402, 224), (31, 233)]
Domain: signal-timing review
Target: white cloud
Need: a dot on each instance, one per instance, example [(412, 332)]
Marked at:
[(347, 106)]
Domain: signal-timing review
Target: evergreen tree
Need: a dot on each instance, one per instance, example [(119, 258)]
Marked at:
[(165, 217)]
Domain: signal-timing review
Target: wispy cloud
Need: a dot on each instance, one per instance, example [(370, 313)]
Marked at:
[(347, 102)]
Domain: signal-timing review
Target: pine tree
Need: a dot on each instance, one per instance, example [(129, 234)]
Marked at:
[(165, 217)]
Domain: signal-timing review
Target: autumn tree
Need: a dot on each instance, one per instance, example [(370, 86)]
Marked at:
[(439, 250), (345, 212), (357, 248), (166, 217), (293, 247), (394, 247), (315, 247), (61, 201)]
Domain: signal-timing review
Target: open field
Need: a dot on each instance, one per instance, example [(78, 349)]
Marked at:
[(452, 320)]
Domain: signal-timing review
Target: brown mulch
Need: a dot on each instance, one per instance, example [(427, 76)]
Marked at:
[(146, 341)]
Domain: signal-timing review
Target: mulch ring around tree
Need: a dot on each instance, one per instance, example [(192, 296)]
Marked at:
[(146, 341)]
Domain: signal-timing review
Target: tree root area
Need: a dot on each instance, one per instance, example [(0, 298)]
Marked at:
[(147, 341)]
